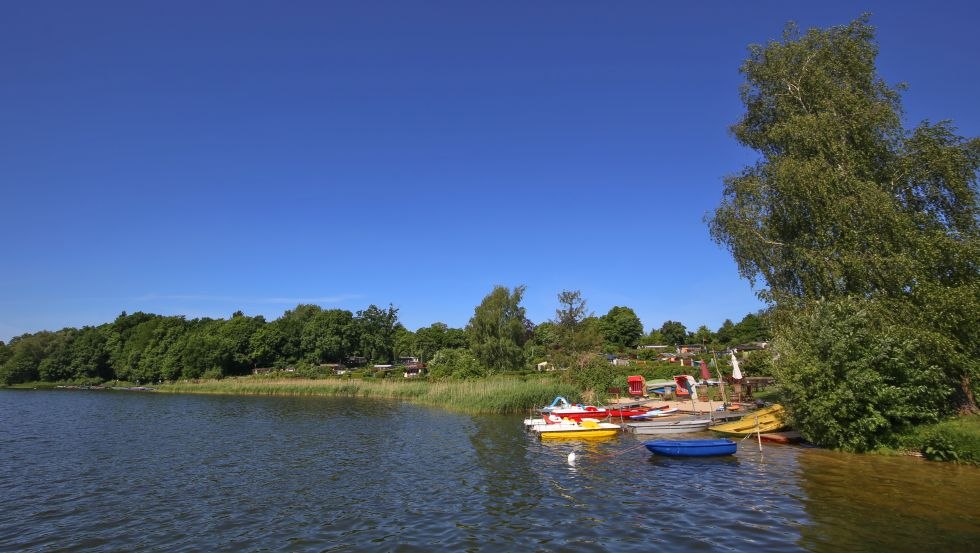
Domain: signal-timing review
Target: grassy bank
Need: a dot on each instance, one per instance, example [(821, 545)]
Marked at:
[(956, 440), (501, 394)]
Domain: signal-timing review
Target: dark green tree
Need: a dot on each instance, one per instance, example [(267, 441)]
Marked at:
[(329, 336), (499, 329), (673, 332), (621, 326), (437, 336), (579, 334), (754, 327), (702, 335), (377, 329), (726, 333)]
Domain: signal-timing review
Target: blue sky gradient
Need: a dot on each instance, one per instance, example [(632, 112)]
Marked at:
[(198, 158)]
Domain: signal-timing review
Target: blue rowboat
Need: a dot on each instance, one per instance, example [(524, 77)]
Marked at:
[(692, 448)]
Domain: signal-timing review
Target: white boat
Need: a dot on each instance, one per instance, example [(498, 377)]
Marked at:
[(655, 413), (679, 426)]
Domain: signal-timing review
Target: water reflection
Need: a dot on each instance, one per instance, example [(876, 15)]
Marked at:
[(875, 503)]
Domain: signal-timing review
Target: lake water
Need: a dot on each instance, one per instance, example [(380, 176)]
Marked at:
[(118, 471)]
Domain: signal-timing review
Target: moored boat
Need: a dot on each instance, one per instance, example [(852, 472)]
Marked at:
[(654, 413), (769, 419), (677, 426), (586, 428), (692, 448), (562, 408)]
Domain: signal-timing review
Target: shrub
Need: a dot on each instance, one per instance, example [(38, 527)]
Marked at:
[(955, 440), (852, 378), (454, 364)]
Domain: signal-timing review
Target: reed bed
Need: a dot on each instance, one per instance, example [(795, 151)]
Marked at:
[(497, 395)]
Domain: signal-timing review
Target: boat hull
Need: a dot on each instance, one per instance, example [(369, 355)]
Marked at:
[(578, 433), (692, 448), (588, 428), (765, 420), (668, 427)]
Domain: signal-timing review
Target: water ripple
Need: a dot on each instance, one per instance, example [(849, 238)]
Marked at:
[(105, 471)]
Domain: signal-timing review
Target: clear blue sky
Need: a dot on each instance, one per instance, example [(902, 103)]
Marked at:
[(203, 157)]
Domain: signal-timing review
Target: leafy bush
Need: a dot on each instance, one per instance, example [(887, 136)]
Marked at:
[(955, 440), (596, 375), (852, 378), (454, 364)]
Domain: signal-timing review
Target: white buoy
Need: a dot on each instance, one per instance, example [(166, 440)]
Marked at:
[(571, 458)]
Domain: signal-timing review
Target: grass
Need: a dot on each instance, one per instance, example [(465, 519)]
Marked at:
[(502, 394), (956, 440)]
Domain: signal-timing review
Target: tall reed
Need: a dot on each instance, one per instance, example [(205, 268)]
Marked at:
[(501, 394)]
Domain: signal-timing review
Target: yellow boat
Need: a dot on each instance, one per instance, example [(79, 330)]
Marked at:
[(588, 428), (769, 419)]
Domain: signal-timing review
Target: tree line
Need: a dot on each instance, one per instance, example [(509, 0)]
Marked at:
[(143, 347)]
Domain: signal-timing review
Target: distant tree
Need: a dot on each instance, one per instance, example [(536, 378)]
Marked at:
[(545, 336), (673, 332), (572, 310), (329, 336), (56, 362), (621, 326), (578, 332), (726, 333), (204, 352), (25, 357), (406, 342), (5, 354), (291, 326), (266, 346), (499, 329), (89, 358), (455, 364), (437, 336), (237, 332), (654, 338), (702, 335), (754, 327), (377, 332), (456, 338)]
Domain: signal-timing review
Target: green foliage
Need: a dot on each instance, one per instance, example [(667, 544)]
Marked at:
[(378, 328), (573, 309), (860, 233), (853, 376), (754, 327), (938, 447), (595, 375), (435, 337), (955, 439), (655, 338), (621, 327), (756, 363), (673, 333), (454, 364), (329, 336), (499, 329)]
